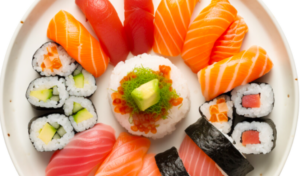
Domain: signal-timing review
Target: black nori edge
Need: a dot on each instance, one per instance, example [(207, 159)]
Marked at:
[(170, 164), (219, 148)]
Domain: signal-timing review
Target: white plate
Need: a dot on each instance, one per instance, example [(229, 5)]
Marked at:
[(17, 73)]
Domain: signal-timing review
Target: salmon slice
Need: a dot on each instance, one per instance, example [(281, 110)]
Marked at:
[(51, 59), (126, 158), (209, 25), (171, 21), (149, 167), (85, 151), (229, 73), (251, 101), (108, 27), (250, 137), (230, 42), (78, 42), (195, 161)]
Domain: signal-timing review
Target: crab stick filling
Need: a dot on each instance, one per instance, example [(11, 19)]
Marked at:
[(218, 111), (51, 59)]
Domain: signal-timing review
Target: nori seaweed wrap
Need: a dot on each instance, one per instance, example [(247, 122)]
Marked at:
[(219, 148)]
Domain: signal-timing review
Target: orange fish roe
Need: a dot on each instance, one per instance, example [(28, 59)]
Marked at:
[(51, 60), (142, 121), (218, 111)]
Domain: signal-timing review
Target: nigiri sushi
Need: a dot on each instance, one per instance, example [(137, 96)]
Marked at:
[(171, 23), (85, 151), (149, 167), (230, 42), (209, 25), (126, 157), (138, 24), (78, 42), (240, 69), (107, 26), (196, 162)]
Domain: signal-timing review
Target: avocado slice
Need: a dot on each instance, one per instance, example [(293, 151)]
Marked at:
[(146, 95), (79, 80), (47, 133), (82, 115), (76, 107), (42, 95)]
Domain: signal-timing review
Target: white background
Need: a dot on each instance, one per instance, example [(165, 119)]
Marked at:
[(286, 12)]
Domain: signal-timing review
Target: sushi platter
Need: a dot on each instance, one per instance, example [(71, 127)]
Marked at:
[(149, 87)]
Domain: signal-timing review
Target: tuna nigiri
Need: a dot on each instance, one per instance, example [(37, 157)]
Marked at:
[(78, 42), (126, 157), (195, 161), (209, 25), (149, 167), (139, 25), (240, 69), (85, 151), (230, 42), (107, 26), (171, 23)]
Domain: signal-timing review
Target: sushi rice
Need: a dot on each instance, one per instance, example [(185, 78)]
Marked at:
[(176, 113)]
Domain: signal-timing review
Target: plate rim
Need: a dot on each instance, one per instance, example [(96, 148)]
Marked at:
[(264, 6)]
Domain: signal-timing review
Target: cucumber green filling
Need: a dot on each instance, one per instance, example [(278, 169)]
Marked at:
[(79, 80)]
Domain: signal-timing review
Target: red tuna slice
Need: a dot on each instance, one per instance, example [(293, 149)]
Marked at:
[(107, 26), (139, 26), (85, 151), (251, 101), (250, 137), (195, 161)]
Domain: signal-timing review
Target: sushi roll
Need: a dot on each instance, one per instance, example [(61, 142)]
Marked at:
[(51, 59), (81, 113), (253, 100), (219, 148), (81, 83), (219, 112), (50, 133), (148, 95), (169, 163), (47, 93), (255, 136)]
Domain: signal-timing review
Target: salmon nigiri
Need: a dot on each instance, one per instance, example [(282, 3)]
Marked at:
[(171, 22), (196, 161), (230, 42), (126, 157), (78, 42), (107, 26), (85, 151), (240, 69), (209, 25), (138, 24), (149, 167)]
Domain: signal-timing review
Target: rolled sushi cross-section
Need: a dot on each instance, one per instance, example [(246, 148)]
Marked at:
[(51, 59), (255, 136), (219, 148), (81, 113), (81, 83), (50, 133), (47, 93), (148, 95), (219, 112), (253, 100)]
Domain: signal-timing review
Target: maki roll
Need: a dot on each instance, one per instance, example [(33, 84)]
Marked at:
[(81, 83), (51, 59), (47, 93), (50, 133), (219, 112), (170, 164), (81, 112), (253, 100), (255, 136), (219, 148)]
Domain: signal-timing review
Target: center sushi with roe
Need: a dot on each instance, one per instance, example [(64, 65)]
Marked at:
[(148, 95)]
